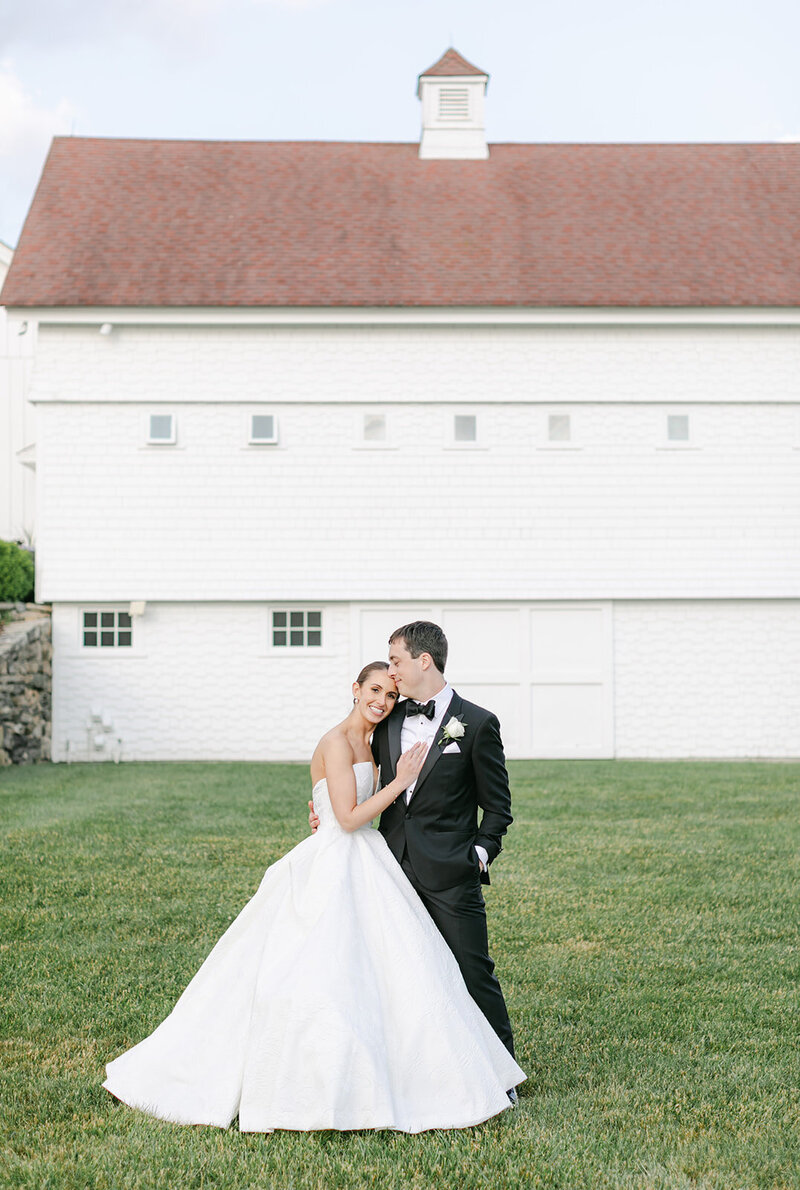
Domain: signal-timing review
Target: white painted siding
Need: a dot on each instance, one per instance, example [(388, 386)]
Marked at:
[(623, 516), (707, 679), (420, 363), (201, 682), (682, 679), (611, 594), (17, 429), (615, 513)]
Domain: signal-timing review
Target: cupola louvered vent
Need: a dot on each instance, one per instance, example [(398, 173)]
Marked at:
[(452, 93), (454, 103)]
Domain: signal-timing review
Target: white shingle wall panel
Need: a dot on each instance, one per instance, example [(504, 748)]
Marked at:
[(371, 363), (622, 516), (315, 518), (690, 679), (710, 679), (211, 530), (17, 429), (199, 683)]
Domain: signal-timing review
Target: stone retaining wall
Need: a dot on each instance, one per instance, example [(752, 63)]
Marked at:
[(25, 685)]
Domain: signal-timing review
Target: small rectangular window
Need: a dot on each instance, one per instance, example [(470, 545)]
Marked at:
[(115, 630), (161, 428), (263, 429), (296, 629), (374, 427), (678, 427), (372, 430), (465, 427), (559, 427)]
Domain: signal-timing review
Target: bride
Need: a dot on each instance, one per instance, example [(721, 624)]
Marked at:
[(332, 1001)]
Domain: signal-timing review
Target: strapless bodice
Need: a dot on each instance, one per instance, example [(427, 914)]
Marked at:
[(365, 787)]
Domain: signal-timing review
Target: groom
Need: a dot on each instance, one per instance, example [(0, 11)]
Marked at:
[(432, 829)]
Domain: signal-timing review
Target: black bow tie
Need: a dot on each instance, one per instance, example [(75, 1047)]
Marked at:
[(428, 709)]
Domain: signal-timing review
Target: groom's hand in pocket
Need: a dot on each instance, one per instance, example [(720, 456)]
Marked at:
[(313, 819)]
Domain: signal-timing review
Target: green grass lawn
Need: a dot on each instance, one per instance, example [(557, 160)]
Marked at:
[(644, 920)]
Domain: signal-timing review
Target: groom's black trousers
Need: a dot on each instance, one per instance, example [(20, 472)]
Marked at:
[(460, 914)]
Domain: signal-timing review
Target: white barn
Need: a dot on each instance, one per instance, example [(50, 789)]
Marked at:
[(17, 434), (291, 395)]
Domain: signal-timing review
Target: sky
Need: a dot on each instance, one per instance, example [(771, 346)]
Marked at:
[(566, 70)]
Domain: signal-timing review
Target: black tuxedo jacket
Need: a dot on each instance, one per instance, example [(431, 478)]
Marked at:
[(439, 827)]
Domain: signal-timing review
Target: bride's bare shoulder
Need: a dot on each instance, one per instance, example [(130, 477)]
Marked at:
[(333, 748)]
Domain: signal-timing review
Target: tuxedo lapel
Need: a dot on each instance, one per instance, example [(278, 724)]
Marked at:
[(438, 746), (394, 727)]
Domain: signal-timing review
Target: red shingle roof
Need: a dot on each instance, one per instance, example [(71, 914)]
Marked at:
[(175, 223), (451, 63)]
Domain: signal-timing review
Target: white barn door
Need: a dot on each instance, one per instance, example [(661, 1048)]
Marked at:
[(571, 681), (546, 670), (487, 667)]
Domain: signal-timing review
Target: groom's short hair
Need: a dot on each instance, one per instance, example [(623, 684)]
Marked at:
[(421, 636)]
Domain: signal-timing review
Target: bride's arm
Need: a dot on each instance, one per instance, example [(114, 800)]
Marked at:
[(342, 784)]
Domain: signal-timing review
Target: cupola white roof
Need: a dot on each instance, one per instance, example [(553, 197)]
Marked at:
[(452, 93)]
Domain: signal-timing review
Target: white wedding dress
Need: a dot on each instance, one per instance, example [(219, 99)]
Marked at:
[(332, 1001)]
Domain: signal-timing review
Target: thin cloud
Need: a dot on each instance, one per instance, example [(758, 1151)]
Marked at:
[(54, 22), (27, 125)]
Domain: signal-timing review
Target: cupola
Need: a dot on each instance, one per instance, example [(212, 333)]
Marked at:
[(452, 93)]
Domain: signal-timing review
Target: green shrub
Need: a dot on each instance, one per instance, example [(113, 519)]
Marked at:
[(16, 573)]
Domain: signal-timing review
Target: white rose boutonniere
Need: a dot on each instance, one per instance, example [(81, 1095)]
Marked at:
[(453, 730)]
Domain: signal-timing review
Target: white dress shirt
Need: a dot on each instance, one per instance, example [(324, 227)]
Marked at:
[(417, 727)]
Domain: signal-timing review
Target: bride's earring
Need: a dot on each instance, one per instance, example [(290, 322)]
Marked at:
[(355, 700)]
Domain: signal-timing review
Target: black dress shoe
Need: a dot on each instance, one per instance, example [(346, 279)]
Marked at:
[(513, 1097)]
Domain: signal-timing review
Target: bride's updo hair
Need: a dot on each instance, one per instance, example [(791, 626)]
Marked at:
[(367, 670)]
